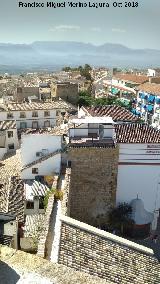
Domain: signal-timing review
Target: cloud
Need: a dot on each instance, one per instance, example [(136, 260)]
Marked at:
[(96, 29), (64, 28), (117, 30)]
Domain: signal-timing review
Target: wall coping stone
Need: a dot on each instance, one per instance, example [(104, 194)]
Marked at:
[(106, 235)]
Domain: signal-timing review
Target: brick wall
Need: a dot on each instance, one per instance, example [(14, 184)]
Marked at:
[(93, 183), (102, 254)]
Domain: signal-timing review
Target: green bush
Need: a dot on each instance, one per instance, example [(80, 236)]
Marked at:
[(58, 195)]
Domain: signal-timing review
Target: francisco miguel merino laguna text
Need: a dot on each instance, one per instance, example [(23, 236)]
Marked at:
[(62, 4)]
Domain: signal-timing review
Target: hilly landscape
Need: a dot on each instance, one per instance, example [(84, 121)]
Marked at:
[(52, 55)]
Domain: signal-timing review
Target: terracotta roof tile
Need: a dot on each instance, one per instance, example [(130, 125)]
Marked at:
[(150, 88), (136, 133), (116, 112), (139, 79)]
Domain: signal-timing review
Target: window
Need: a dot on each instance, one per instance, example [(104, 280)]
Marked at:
[(29, 205), (35, 171), (35, 124), (11, 146), (10, 134), (69, 164), (34, 114), (46, 113), (41, 202), (22, 115), (38, 154), (47, 123), (45, 151), (57, 112), (23, 124), (9, 115)]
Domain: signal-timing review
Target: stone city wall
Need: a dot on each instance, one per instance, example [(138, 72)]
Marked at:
[(105, 255), (93, 183)]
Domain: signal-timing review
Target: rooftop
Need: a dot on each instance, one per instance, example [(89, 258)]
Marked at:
[(9, 167), (151, 88), (138, 79), (136, 133), (7, 124), (35, 188), (90, 119), (37, 106), (117, 113)]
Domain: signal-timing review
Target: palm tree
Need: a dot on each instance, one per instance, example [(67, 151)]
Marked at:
[(121, 217)]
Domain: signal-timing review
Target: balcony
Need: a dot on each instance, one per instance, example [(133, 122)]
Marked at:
[(94, 138)]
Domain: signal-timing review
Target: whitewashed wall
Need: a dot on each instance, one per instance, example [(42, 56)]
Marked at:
[(13, 139), (47, 167), (2, 152), (33, 143), (139, 173), (29, 118)]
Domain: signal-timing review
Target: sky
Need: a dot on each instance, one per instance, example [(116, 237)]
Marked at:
[(132, 27)]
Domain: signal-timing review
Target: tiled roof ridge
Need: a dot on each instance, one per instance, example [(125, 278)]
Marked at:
[(7, 124), (115, 111), (36, 106), (132, 77), (136, 133), (44, 158), (151, 88)]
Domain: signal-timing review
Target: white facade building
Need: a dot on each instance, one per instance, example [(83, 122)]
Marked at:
[(41, 155), (35, 115), (8, 137)]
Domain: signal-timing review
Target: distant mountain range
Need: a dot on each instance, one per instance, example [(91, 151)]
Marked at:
[(55, 54)]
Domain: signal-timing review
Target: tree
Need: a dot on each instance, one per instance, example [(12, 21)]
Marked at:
[(120, 218)]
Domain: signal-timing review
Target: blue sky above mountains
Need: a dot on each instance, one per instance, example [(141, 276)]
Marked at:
[(133, 27)]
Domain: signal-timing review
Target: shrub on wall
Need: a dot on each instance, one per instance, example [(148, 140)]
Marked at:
[(58, 195)]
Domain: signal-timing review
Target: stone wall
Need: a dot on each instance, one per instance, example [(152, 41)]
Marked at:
[(105, 255), (65, 201), (66, 91), (18, 265), (93, 183)]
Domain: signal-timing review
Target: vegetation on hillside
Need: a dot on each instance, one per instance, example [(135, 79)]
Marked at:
[(84, 70)]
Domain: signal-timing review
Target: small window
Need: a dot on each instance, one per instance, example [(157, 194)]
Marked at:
[(46, 113), (30, 205), (41, 202), (69, 164), (35, 124), (57, 112), (35, 171), (38, 154), (22, 115), (9, 115), (47, 123), (11, 146), (34, 114), (10, 134), (23, 125), (45, 151)]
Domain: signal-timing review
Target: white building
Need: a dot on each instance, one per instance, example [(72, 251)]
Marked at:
[(148, 103), (35, 115), (8, 137), (41, 155), (139, 156)]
